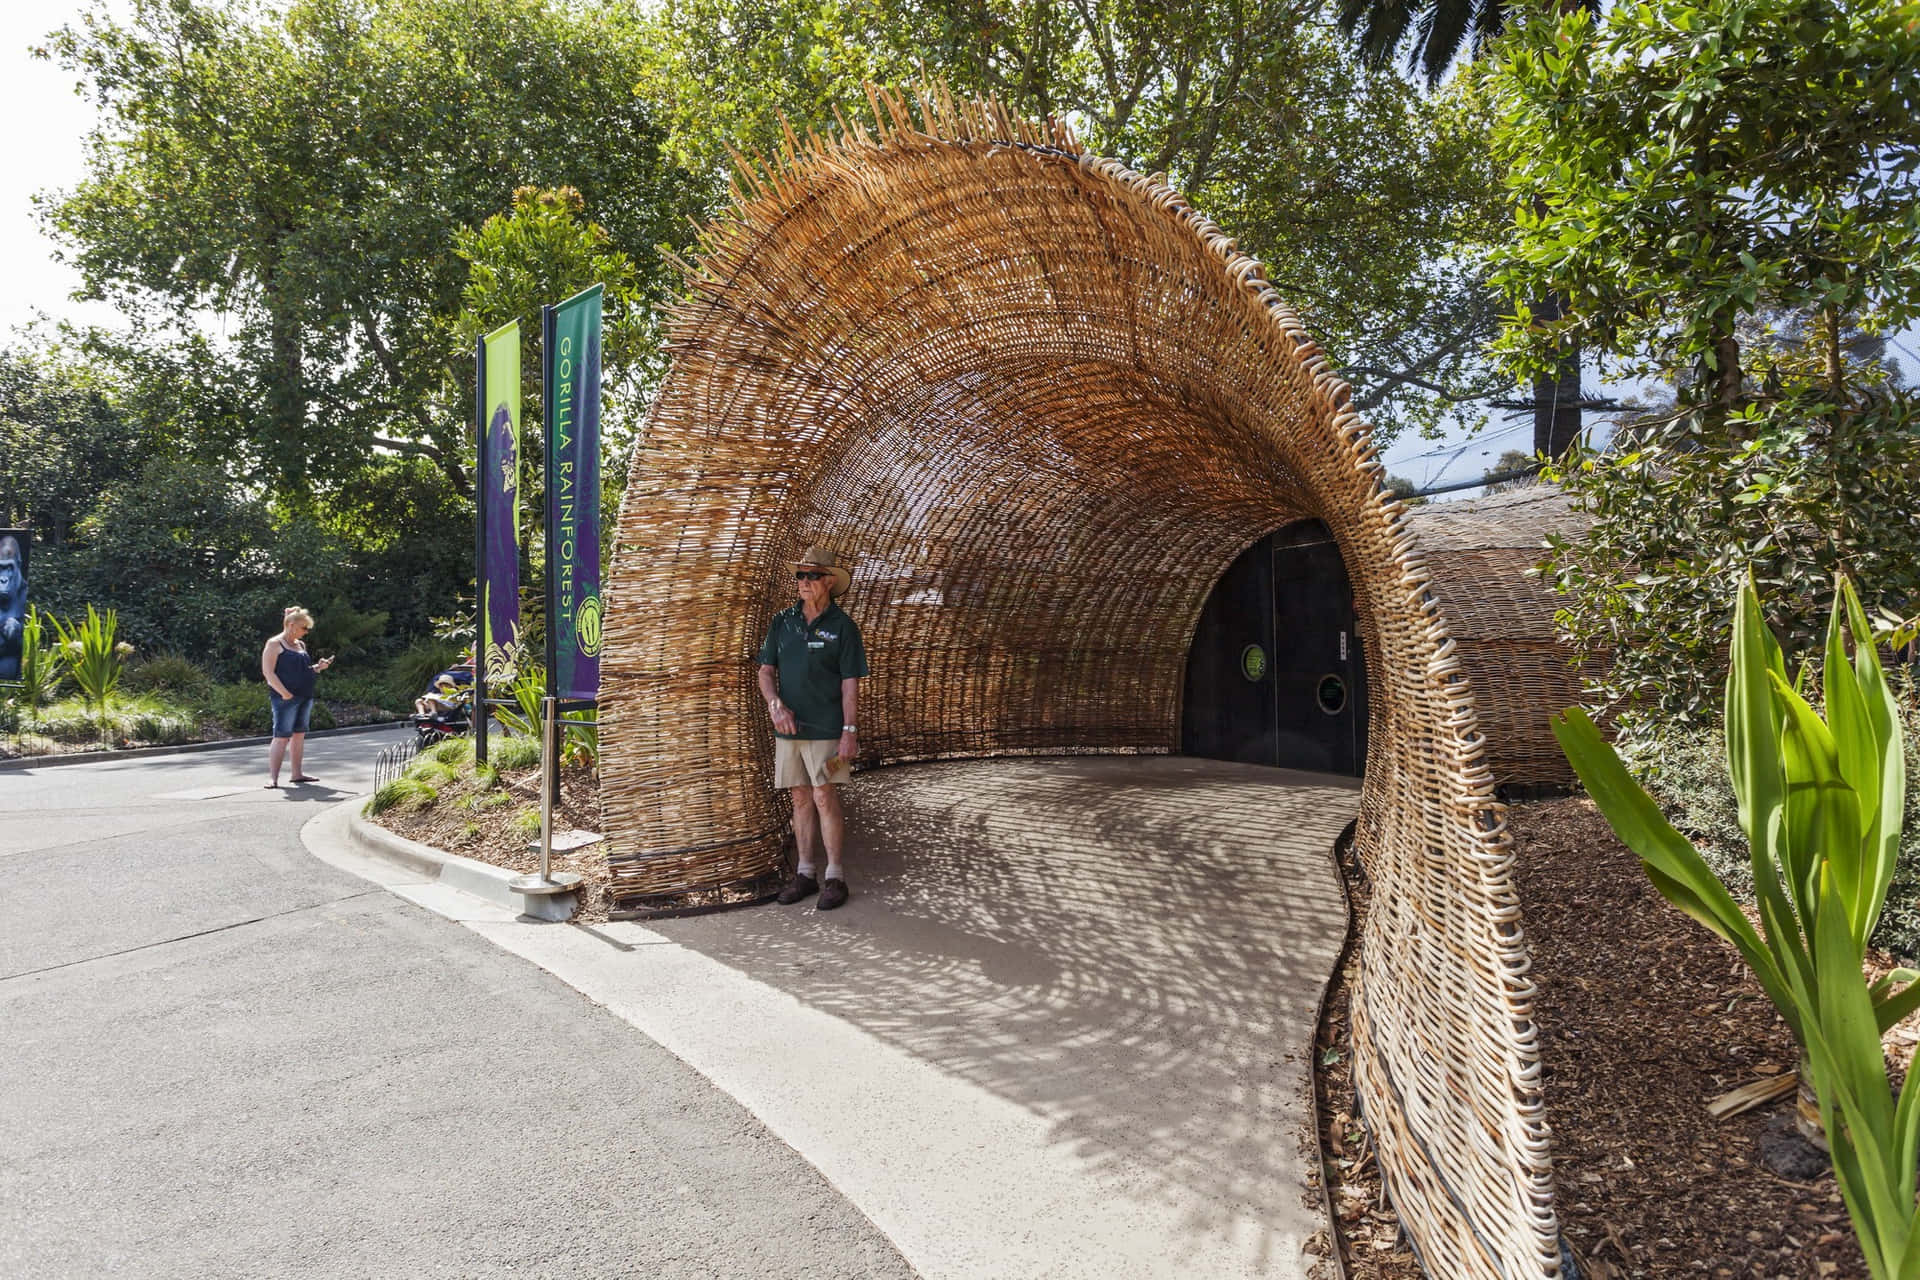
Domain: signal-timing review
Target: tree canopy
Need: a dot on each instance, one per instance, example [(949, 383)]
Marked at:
[(1727, 192), (1370, 203), (304, 170)]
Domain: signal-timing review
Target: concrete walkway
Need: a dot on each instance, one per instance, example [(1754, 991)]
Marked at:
[(1063, 1028), (221, 1058)]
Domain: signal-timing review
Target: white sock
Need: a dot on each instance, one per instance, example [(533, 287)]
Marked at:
[(805, 868), (833, 871)]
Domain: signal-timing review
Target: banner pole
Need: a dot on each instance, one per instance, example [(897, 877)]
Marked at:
[(550, 757), (547, 886), (477, 714), (548, 326)]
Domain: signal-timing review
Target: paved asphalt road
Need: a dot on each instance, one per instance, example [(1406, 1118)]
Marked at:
[(219, 1057)]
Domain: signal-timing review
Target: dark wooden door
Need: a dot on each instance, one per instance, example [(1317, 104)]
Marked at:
[(1275, 675)]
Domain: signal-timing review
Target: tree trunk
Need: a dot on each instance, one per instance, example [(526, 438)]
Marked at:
[(286, 381), (1556, 395)]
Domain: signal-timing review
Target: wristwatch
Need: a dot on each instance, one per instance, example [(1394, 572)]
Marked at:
[(849, 728)]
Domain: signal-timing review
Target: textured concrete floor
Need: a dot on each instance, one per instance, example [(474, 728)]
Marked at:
[(1062, 1029)]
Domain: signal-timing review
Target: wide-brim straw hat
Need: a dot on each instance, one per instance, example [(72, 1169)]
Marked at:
[(821, 558)]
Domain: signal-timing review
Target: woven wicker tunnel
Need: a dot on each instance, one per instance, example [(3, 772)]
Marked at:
[(1042, 405)]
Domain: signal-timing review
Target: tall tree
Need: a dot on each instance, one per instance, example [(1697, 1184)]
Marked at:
[(1434, 34), (1726, 220), (303, 169), (1369, 204)]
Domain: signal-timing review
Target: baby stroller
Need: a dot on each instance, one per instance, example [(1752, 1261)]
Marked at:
[(443, 712)]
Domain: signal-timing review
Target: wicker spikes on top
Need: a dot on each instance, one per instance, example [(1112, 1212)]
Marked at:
[(1041, 404)]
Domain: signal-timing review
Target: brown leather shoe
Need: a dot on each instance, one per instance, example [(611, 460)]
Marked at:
[(833, 894), (796, 888)]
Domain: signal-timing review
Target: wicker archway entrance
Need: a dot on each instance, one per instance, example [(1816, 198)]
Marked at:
[(1043, 405)]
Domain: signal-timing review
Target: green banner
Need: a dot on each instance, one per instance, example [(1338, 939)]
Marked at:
[(497, 486), (572, 362)]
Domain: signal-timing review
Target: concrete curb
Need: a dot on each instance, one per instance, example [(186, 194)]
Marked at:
[(178, 749), (480, 879)]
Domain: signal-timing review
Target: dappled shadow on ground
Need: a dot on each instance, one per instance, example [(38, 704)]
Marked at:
[(1132, 948)]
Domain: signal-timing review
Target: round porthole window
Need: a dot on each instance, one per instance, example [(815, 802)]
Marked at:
[(1331, 694), (1253, 663)]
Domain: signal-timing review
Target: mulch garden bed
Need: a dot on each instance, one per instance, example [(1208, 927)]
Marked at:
[(492, 835), (1644, 1017)]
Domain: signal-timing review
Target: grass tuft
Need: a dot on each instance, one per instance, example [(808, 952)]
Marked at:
[(506, 754), (402, 794)]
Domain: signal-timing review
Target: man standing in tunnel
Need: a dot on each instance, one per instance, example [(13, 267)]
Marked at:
[(811, 664)]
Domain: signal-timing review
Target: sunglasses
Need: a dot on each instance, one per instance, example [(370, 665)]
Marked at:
[(808, 575)]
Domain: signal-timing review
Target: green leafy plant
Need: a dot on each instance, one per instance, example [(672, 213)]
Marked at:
[(1688, 776), (40, 662), (527, 691), (1820, 803), (579, 730), (95, 658), (580, 738)]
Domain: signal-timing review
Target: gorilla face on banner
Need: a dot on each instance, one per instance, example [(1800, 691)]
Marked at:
[(13, 599)]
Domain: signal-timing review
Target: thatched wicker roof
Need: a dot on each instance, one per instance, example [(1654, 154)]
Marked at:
[(1042, 403), (1480, 552)]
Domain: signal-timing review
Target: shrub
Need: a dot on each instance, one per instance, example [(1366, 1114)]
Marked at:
[(146, 718), (241, 708), (149, 719), (401, 794), (527, 820), (413, 671), (1694, 791), (169, 673), (508, 754), (365, 691), (68, 720)]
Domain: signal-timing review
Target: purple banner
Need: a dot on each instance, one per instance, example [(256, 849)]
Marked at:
[(497, 486)]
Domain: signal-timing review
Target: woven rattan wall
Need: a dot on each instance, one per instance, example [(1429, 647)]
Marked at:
[(1041, 405), (1478, 553)]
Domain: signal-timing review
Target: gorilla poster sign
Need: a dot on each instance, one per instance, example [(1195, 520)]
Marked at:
[(13, 598)]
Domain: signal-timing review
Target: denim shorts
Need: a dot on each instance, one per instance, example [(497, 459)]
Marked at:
[(290, 715)]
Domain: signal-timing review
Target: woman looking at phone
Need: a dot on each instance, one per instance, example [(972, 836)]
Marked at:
[(289, 671)]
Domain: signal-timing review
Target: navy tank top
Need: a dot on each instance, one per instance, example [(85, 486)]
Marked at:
[(295, 670)]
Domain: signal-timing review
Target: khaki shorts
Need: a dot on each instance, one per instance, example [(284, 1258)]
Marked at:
[(808, 762)]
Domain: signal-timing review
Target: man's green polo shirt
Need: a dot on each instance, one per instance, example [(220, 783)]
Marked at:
[(814, 657)]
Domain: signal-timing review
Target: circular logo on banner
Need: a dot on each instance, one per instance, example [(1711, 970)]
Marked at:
[(586, 623), (1253, 663)]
